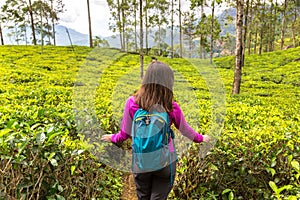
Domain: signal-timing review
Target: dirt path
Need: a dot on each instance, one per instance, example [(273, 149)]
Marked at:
[(129, 192)]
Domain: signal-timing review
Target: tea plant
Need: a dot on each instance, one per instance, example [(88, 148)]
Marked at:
[(42, 154), (45, 153)]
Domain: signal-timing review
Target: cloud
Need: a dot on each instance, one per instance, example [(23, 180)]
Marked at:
[(75, 16)]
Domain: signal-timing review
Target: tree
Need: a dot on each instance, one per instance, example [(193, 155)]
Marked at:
[(274, 23), (295, 12), (122, 12), (90, 24), (56, 7), (262, 27), (239, 48), (29, 6), (1, 34), (245, 31), (116, 23), (14, 15), (146, 24), (135, 7), (270, 27), (255, 23), (212, 28), (201, 4), (42, 16), (250, 26), (180, 28), (159, 37), (214, 31), (159, 18), (141, 41), (283, 24), (98, 42), (189, 31), (172, 29), (22, 14)]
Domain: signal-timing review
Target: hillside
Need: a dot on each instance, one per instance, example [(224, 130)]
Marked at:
[(56, 103)]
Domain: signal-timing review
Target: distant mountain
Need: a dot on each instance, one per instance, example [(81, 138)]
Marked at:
[(77, 38), (62, 38), (114, 41)]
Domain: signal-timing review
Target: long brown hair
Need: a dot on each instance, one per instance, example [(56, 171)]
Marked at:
[(156, 91)]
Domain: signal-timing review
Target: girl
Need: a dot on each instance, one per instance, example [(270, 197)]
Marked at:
[(155, 93)]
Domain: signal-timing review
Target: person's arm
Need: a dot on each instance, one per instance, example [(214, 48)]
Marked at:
[(184, 128), (125, 131)]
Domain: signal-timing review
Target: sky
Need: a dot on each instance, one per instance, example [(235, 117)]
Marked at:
[(76, 17)]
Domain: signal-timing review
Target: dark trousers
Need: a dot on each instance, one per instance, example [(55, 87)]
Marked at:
[(155, 185)]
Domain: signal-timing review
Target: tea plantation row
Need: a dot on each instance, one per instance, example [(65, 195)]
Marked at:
[(56, 103)]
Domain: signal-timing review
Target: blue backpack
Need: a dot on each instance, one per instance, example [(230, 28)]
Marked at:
[(151, 133)]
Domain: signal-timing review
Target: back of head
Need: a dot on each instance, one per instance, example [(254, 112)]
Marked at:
[(156, 91)]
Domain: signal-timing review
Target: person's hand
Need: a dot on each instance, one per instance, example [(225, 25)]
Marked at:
[(106, 137), (206, 138)]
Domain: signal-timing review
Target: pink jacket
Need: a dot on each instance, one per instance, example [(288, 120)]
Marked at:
[(176, 117)]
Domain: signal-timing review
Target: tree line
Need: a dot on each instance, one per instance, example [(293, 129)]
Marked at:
[(39, 17), (178, 27), (265, 24)]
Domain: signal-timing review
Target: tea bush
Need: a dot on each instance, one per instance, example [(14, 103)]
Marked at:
[(42, 154), (257, 155), (43, 144)]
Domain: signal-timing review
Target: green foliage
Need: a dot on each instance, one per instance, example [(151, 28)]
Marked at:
[(44, 154), (258, 152)]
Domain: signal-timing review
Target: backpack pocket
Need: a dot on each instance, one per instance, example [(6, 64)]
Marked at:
[(151, 161)]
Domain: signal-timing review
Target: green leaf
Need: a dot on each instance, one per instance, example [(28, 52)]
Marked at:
[(12, 124), (286, 187), (273, 186), (226, 191), (35, 126), (5, 131), (73, 167), (53, 135), (290, 158), (213, 167), (23, 145), (273, 162), (230, 196), (295, 165), (59, 197), (292, 198), (272, 171), (51, 155)]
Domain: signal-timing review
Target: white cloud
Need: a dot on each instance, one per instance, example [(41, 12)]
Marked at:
[(76, 17)]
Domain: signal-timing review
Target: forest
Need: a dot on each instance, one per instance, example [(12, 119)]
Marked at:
[(237, 78)]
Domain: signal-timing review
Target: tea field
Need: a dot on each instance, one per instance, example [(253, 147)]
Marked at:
[(56, 102)]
